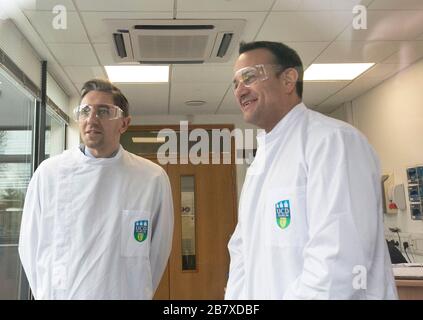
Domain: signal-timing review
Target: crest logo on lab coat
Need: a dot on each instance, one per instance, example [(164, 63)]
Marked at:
[(283, 213), (141, 230)]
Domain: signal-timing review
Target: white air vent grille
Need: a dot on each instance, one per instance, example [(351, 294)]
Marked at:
[(174, 41), (177, 47)]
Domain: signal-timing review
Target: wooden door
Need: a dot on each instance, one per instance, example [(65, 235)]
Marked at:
[(214, 220)]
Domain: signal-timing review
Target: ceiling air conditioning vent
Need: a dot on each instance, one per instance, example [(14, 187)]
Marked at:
[(173, 41)]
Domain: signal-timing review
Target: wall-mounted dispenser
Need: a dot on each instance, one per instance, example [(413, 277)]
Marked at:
[(389, 206), (399, 196)]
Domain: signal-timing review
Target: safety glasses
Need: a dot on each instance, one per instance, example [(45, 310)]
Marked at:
[(102, 111), (250, 75)]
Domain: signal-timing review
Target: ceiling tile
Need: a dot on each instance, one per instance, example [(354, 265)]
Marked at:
[(287, 5), (146, 99), (229, 104), (230, 111), (82, 74), (47, 5), (253, 21), (308, 51), (315, 92), (396, 5), (326, 109), (304, 26), (201, 74), (73, 54), (212, 93), (43, 23), (104, 53), (97, 29), (78, 86), (224, 5), (352, 91), (317, 5), (362, 84), (408, 53), (357, 51), (125, 5), (381, 72), (387, 25)]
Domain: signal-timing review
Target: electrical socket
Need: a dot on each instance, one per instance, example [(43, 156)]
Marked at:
[(417, 243)]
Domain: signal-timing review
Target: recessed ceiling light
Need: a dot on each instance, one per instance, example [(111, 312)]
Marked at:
[(195, 103), (335, 71), (145, 74)]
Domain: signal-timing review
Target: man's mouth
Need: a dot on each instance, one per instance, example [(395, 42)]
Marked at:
[(92, 132), (247, 102)]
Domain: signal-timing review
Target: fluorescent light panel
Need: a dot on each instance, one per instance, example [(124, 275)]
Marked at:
[(148, 139), (138, 73), (335, 71)]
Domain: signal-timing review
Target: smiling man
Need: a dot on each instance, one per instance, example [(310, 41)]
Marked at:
[(97, 220), (310, 217)]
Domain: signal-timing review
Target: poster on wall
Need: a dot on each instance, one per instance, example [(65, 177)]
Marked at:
[(415, 191)]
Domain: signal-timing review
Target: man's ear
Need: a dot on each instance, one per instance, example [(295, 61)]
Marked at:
[(290, 79), (125, 124)]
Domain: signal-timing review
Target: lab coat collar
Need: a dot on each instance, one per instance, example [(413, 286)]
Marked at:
[(82, 158), (282, 125)]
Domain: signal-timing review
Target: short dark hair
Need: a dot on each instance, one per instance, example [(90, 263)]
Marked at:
[(285, 56), (106, 86)]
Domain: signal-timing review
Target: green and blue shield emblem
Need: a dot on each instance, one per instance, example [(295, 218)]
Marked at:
[(283, 213), (141, 230)]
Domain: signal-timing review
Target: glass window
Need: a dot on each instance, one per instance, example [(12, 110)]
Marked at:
[(55, 134), (17, 108), (16, 118), (188, 223)]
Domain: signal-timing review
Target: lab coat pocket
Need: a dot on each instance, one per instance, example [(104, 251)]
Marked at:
[(135, 233), (286, 217)]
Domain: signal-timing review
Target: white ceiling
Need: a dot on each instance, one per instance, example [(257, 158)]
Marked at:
[(320, 30)]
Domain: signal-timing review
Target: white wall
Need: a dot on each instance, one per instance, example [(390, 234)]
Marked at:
[(343, 112), (56, 93), (20, 51), (72, 134), (391, 116), (17, 47)]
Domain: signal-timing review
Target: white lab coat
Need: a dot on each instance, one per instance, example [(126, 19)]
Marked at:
[(333, 247), (77, 238)]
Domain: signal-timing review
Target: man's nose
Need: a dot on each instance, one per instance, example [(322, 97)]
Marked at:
[(240, 90), (92, 117)]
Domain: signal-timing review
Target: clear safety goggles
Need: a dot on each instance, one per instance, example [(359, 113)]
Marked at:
[(102, 111), (250, 75)]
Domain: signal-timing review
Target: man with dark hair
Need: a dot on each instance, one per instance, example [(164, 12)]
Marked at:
[(97, 220), (284, 56), (310, 216)]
